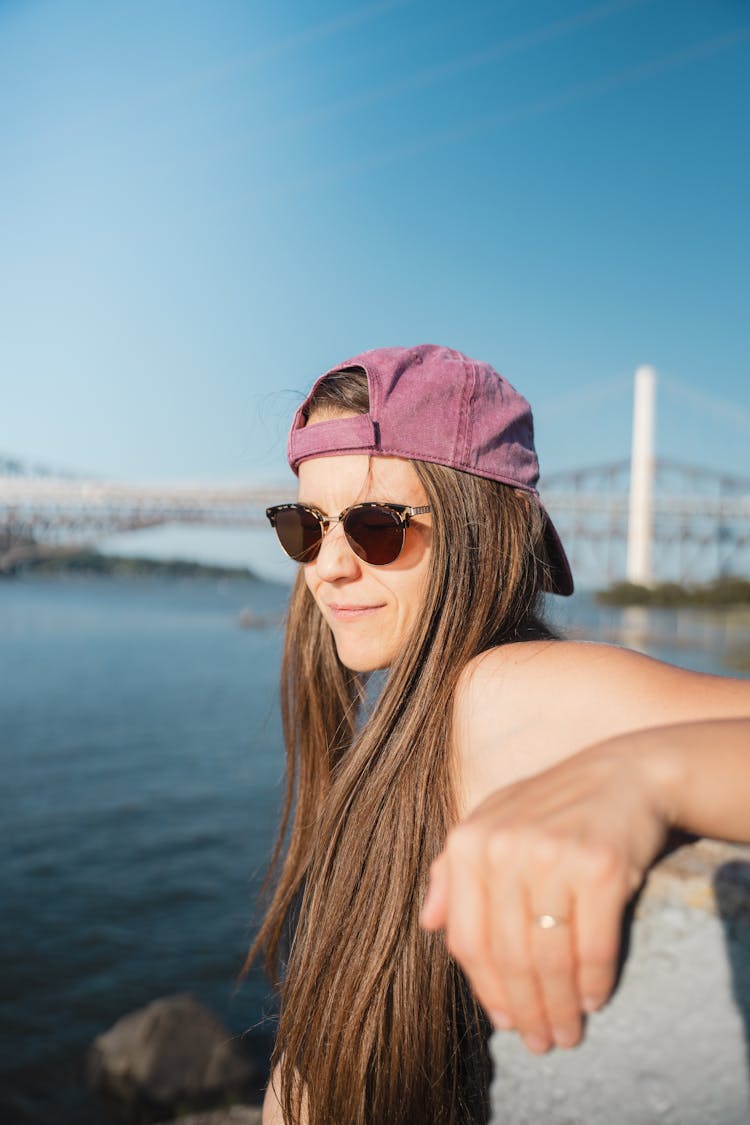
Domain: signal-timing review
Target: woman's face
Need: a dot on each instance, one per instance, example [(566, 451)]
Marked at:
[(371, 610)]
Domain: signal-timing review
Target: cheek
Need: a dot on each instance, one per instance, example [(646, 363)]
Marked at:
[(313, 585), (308, 572), (412, 597)]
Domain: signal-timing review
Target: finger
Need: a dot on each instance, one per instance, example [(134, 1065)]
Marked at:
[(511, 951), (433, 914), (598, 934), (467, 925), (553, 951)]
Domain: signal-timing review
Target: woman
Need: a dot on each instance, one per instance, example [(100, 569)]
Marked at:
[(535, 779)]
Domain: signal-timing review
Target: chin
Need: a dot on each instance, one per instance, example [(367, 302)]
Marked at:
[(360, 660)]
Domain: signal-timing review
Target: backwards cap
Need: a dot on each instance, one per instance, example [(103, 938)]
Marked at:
[(430, 403)]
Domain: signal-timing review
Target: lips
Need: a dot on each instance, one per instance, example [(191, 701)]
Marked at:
[(352, 612)]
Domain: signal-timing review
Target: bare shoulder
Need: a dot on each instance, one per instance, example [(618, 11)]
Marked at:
[(272, 1114), (522, 707), (556, 672)]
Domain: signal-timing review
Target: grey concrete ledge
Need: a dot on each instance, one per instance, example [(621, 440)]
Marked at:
[(233, 1115), (673, 1045)]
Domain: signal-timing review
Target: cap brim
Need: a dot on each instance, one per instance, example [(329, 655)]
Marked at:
[(561, 576)]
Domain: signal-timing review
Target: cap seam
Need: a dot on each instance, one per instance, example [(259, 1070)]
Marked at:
[(467, 405)]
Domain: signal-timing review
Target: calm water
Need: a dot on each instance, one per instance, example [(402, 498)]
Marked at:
[(141, 766)]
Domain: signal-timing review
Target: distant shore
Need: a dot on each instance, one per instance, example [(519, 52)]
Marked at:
[(119, 566), (721, 594)]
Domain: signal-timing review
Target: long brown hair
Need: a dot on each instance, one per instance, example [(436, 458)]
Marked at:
[(377, 1024)]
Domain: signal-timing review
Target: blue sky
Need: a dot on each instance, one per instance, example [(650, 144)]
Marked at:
[(203, 205)]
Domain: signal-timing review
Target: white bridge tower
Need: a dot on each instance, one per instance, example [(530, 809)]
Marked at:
[(640, 509)]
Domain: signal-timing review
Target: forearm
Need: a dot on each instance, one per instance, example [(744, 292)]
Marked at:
[(573, 842), (702, 774)]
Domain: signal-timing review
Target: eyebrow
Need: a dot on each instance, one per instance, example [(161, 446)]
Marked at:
[(370, 500)]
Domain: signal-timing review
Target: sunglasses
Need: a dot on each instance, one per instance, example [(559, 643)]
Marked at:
[(375, 532)]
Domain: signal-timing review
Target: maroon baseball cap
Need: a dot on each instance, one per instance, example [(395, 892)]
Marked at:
[(430, 403)]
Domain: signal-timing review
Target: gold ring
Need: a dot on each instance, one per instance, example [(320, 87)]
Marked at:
[(549, 921)]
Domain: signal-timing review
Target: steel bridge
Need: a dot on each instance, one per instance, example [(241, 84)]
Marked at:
[(700, 520), (644, 518), (41, 513)]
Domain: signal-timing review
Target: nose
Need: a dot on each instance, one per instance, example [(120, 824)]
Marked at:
[(335, 558)]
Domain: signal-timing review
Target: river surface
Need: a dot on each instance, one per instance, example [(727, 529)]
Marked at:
[(141, 761)]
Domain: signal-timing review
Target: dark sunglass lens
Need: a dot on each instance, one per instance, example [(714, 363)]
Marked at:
[(299, 533), (374, 534)]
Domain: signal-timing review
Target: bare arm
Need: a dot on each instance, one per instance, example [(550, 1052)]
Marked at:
[(522, 709), (702, 772), (568, 830)]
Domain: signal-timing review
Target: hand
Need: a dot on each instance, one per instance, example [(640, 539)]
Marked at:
[(571, 844)]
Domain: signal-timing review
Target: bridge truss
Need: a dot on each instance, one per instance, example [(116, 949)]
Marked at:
[(700, 518), (42, 515)]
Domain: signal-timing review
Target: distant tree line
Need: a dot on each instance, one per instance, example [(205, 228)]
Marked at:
[(92, 562), (722, 592)]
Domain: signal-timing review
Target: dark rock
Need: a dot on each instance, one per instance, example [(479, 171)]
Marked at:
[(171, 1057)]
